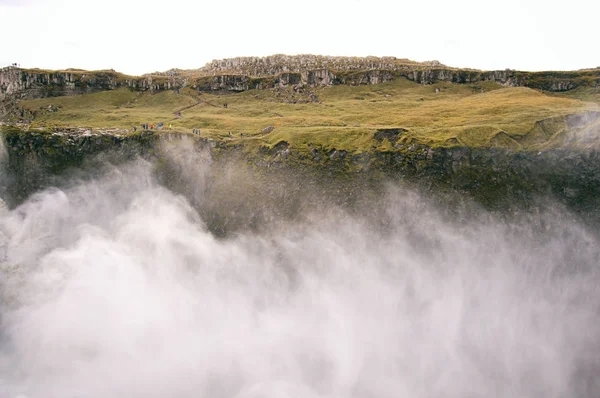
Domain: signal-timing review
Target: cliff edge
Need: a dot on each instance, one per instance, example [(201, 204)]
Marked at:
[(246, 73)]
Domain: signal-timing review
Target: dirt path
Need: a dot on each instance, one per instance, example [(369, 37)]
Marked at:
[(198, 102)]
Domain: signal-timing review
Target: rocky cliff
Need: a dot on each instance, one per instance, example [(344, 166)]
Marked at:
[(241, 74), (496, 178), (315, 70), (17, 83), (277, 64)]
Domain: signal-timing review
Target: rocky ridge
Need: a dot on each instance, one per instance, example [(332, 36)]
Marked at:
[(17, 83), (276, 64), (246, 73), (316, 70)]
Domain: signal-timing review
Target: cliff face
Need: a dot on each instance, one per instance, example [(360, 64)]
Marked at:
[(497, 178), (241, 74), (33, 160), (16, 83), (277, 64), (325, 77), (315, 70), (19, 83)]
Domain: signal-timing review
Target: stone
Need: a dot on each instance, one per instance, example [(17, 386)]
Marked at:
[(267, 129), (337, 154)]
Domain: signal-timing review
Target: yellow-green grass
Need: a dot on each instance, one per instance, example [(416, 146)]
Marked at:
[(478, 115), (590, 94)]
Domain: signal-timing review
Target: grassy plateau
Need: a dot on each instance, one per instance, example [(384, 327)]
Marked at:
[(342, 117)]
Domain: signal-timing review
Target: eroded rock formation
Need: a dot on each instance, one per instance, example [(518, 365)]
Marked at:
[(246, 73), (17, 83)]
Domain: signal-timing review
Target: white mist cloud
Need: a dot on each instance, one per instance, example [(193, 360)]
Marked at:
[(115, 288), (15, 3)]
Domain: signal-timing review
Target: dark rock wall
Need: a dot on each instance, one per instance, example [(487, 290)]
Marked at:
[(37, 159), (496, 178)]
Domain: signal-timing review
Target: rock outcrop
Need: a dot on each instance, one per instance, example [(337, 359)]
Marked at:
[(277, 64), (316, 70), (241, 74), (17, 83)]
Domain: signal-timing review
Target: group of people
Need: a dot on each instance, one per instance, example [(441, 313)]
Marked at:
[(151, 126), (159, 126)]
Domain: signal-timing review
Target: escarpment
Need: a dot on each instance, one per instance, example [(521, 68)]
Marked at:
[(498, 178), (246, 73), (17, 83)]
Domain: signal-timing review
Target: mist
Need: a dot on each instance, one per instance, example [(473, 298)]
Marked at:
[(116, 287)]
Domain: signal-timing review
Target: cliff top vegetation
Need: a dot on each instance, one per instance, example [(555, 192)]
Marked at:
[(343, 117)]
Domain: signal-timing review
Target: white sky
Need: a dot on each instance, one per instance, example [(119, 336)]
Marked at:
[(140, 36)]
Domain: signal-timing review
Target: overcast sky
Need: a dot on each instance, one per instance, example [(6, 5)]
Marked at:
[(140, 36)]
